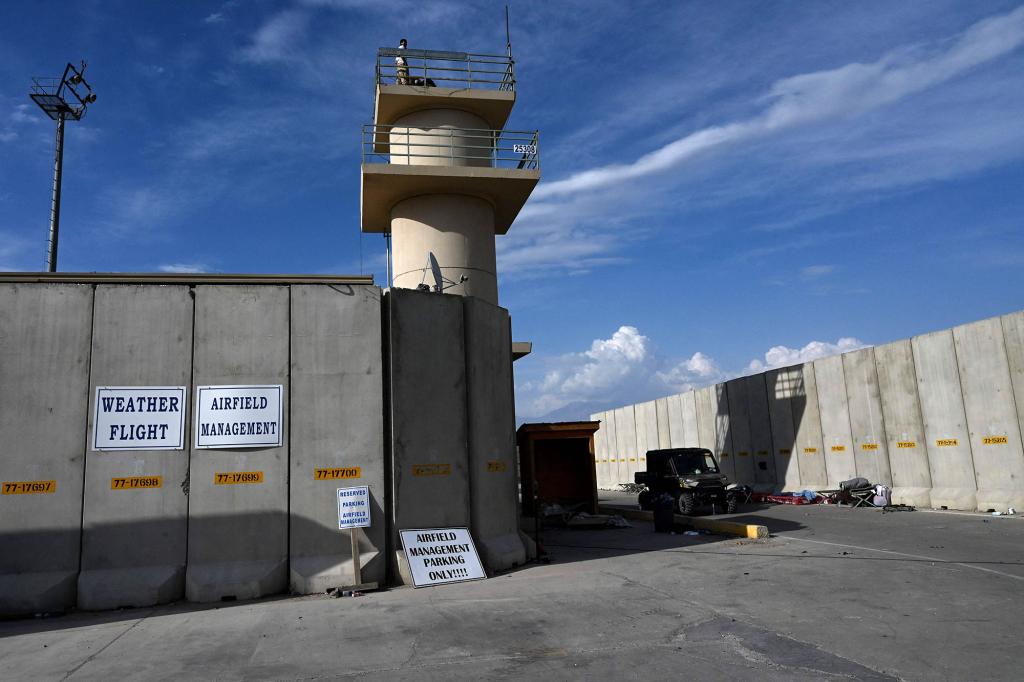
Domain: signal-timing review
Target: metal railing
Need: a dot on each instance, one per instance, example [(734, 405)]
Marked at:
[(433, 68), (471, 147)]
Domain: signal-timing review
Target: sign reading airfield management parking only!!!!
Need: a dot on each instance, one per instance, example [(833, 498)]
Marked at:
[(441, 555), (139, 418), (238, 416)]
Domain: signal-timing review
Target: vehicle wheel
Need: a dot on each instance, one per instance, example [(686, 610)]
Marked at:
[(644, 499), (686, 503), (730, 504)]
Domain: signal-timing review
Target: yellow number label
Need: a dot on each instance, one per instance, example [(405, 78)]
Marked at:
[(995, 440), (869, 446), (785, 451), (723, 455), (29, 487), (238, 478), (838, 448), (742, 453), (762, 453), (810, 451), (431, 469), (947, 442), (330, 474), (133, 482), (904, 444), (495, 466), (632, 459)]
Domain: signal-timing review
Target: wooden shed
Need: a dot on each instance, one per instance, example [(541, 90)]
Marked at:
[(559, 459)]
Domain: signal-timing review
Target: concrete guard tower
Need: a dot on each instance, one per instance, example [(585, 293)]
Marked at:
[(439, 172)]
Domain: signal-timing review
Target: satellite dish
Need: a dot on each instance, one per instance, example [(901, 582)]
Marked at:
[(440, 283), (436, 270)]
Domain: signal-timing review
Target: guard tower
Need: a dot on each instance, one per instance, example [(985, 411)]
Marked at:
[(439, 172)]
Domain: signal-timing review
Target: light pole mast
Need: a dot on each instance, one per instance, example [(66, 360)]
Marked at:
[(52, 96)]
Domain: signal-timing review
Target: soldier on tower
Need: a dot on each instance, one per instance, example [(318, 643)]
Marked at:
[(402, 66)]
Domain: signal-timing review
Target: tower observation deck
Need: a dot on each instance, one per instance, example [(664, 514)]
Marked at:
[(439, 171)]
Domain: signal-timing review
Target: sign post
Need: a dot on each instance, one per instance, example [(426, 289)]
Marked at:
[(353, 514)]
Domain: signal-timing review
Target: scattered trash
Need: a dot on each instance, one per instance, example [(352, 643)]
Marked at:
[(997, 513), (898, 507), (691, 532), (618, 522), (1011, 511)]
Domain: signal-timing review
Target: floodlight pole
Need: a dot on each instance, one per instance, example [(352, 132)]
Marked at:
[(58, 166)]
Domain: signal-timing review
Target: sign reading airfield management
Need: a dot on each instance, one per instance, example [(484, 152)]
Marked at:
[(238, 416), (441, 555), (139, 418)]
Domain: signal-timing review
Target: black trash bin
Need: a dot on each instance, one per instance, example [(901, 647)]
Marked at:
[(664, 511)]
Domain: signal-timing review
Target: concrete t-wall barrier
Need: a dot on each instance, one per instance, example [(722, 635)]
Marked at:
[(647, 437), (134, 538), (835, 420), (760, 433), (238, 533), (945, 424), (901, 412), (739, 430), (676, 425), (688, 409), (779, 387), (1013, 337), (611, 477), (991, 414), (428, 440), (664, 426), (600, 450), (625, 443), (492, 434), (337, 434), (870, 450), (44, 375)]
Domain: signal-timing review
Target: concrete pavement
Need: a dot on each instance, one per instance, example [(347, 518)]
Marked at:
[(836, 594)]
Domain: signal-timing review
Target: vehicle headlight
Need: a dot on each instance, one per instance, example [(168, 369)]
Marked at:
[(688, 483)]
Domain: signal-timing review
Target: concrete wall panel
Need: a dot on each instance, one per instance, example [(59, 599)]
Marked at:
[(1013, 338), (760, 432), (664, 423), (991, 414), (337, 423), (945, 424), (739, 429), (870, 446), (492, 434), (688, 410), (835, 420), (238, 534), (134, 540), (429, 447), (781, 387), (646, 436), (611, 438), (44, 372), (600, 449), (809, 450), (676, 423), (904, 428), (625, 440)]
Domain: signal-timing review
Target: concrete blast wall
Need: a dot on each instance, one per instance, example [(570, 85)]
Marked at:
[(134, 540), (44, 372), (938, 417)]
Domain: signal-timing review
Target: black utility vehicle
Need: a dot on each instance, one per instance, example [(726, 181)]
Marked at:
[(689, 475)]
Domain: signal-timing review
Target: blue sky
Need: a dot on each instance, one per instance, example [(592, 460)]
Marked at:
[(727, 185)]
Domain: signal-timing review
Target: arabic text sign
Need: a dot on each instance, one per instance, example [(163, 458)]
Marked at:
[(139, 418), (354, 507), (238, 416), (441, 555)]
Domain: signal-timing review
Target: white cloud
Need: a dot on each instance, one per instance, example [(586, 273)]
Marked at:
[(784, 356), (816, 271), (625, 369), (215, 18), (279, 39), (183, 267), (813, 97)]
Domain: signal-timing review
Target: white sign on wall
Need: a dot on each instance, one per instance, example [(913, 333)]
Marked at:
[(441, 555), (139, 418), (238, 416), (354, 507)]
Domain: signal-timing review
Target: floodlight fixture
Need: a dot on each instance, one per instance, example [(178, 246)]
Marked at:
[(60, 99)]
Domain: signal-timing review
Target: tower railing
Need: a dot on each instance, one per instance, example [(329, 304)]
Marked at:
[(445, 69), (472, 147)]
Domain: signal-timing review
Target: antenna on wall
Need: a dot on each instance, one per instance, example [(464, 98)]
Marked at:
[(508, 39)]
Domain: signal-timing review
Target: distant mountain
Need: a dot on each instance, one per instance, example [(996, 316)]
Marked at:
[(578, 411)]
